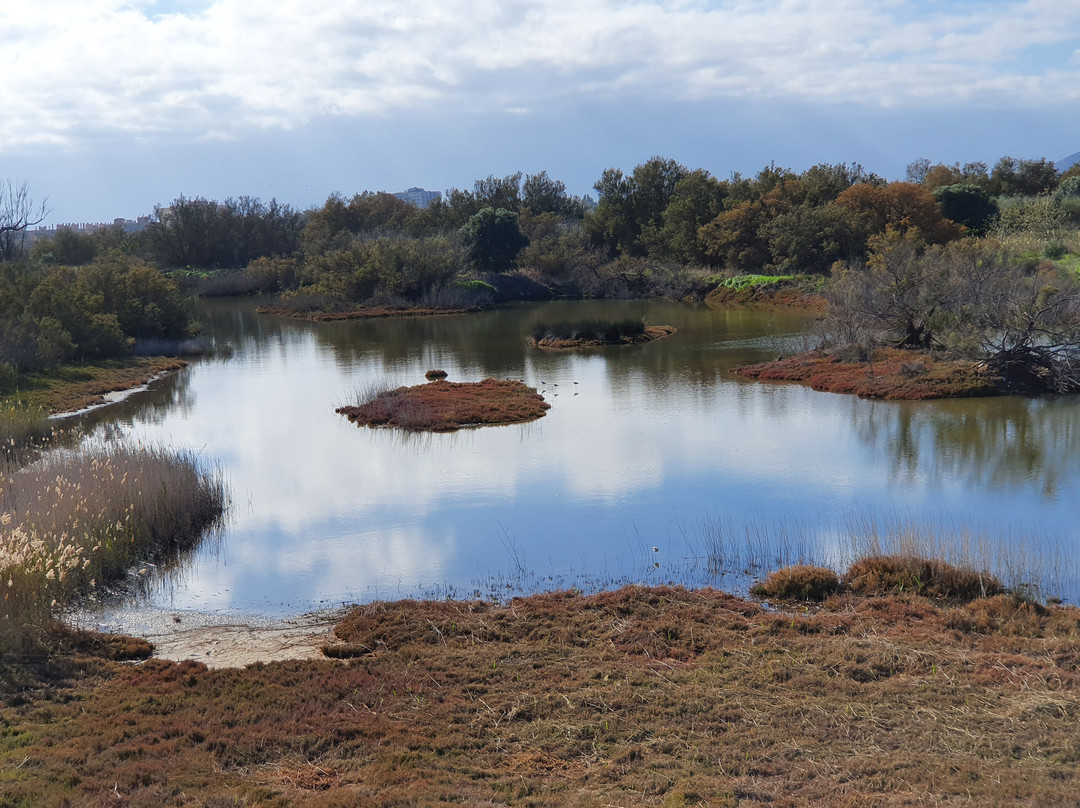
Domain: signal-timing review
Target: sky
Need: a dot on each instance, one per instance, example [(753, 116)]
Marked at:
[(110, 107)]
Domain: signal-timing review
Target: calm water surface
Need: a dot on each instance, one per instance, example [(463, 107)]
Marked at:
[(646, 453)]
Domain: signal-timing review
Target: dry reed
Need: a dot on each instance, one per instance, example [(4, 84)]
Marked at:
[(75, 521)]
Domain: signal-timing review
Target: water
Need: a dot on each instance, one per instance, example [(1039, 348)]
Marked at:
[(653, 462)]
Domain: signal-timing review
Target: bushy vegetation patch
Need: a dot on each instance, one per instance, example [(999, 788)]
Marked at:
[(52, 315), (880, 575), (904, 573), (442, 406), (588, 333), (73, 522), (798, 582)]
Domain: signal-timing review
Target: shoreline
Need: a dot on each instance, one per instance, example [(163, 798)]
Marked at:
[(364, 313), (75, 389)]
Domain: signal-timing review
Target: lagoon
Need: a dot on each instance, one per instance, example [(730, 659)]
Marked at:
[(655, 464)]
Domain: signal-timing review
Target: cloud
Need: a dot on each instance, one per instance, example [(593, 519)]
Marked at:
[(222, 67)]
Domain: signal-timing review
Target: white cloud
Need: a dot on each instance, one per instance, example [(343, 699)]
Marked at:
[(222, 67)]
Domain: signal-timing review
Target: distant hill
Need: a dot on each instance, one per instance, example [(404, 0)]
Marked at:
[(1066, 162)]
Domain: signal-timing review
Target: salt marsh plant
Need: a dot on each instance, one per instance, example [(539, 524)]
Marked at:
[(77, 521)]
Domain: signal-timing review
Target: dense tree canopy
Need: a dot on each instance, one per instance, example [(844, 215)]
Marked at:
[(494, 238)]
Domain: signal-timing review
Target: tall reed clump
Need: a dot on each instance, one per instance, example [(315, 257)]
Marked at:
[(73, 522), (23, 429)]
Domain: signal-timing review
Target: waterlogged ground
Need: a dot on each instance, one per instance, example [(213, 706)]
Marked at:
[(655, 464)]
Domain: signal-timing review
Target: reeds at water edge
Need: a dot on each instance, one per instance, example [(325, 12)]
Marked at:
[(75, 521)]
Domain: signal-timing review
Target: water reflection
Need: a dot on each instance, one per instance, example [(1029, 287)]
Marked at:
[(639, 443), (1003, 443)]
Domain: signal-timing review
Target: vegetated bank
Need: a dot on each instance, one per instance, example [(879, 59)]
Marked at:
[(899, 685), (965, 319), (597, 333), (788, 291), (69, 334), (888, 373), (442, 406)]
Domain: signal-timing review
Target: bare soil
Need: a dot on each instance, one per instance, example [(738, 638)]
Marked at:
[(659, 697)]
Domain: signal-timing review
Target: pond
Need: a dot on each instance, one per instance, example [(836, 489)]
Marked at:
[(654, 464)]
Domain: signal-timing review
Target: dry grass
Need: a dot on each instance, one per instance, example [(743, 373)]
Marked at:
[(442, 406), (75, 521), (891, 374), (877, 575), (642, 696), (23, 431), (798, 582)]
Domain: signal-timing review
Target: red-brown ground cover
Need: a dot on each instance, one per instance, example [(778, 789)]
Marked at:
[(891, 374), (443, 406), (641, 696)]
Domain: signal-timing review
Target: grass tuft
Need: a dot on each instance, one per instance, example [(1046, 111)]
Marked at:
[(798, 582), (880, 575)]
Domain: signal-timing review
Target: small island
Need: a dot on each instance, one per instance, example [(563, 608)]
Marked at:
[(596, 333), (442, 406)]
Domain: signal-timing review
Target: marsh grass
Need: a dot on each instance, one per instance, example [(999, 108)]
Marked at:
[(74, 522), (24, 429), (963, 557), (603, 331)]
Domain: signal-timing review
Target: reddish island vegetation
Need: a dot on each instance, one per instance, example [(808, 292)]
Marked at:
[(442, 406), (641, 696), (889, 373)]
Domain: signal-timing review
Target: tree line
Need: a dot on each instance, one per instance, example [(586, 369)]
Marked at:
[(661, 229)]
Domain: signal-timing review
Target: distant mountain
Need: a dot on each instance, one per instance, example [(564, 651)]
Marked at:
[(1066, 162)]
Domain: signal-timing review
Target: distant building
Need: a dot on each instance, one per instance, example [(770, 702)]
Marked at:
[(87, 228), (419, 197)]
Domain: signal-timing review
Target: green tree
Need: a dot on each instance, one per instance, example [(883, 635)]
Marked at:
[(494, 238), (968, 205), (631, 205), (1012, 177)]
